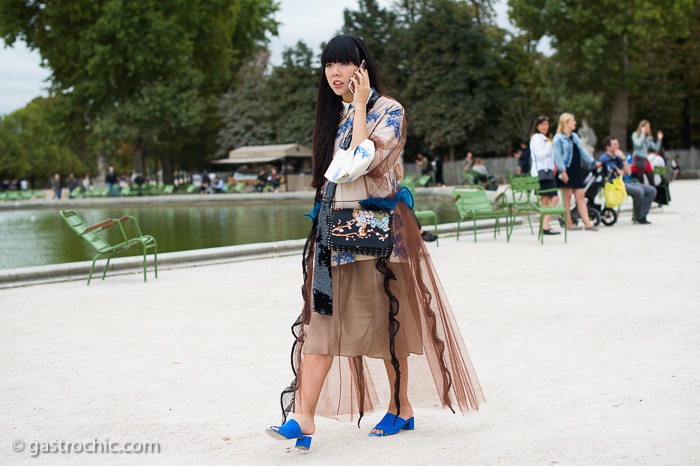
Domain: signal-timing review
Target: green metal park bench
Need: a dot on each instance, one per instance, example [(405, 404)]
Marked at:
[(90, 235), (473, 204)]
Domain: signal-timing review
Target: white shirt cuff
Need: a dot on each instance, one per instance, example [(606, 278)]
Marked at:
[(349, 165)]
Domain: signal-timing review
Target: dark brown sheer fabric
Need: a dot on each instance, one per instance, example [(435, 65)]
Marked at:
[(439, 366), (445, 365)]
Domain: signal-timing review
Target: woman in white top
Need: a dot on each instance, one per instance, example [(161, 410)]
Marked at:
[(543, 159)]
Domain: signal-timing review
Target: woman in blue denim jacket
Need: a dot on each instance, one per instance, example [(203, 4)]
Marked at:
[(569, 156)]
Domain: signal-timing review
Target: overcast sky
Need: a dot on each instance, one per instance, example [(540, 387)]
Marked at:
[(22, 78)]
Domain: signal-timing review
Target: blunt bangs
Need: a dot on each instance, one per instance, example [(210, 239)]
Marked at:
[(341, 49)]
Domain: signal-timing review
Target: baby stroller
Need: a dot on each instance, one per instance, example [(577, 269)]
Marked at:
[(597, 213)]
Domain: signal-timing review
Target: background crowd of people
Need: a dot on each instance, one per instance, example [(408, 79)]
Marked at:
[(560, 161)]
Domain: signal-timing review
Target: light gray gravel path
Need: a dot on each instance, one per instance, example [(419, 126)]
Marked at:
[(588, 353)]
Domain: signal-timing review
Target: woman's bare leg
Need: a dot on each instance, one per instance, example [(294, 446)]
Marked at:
[(315, 368), (581, 206), (406, 409), (567, 192), (547, 201)]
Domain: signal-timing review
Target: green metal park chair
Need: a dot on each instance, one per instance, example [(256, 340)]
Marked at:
[(521, 189), (168, 189), (472, 204), (429, 214), (424, 180), (663, 172), (90, 235)]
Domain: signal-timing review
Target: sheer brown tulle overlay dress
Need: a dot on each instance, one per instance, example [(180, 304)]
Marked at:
[(439, 367)]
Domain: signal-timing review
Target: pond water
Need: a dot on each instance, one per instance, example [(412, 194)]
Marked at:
[(40, 236)]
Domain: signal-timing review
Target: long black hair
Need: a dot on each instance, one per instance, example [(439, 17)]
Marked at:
[(540, 119), (342, 48)]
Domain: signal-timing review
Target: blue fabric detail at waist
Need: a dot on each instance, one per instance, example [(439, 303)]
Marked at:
[(389, 203), (314, 212)]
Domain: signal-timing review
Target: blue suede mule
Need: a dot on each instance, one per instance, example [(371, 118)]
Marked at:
[(291, 430), (392, 424)]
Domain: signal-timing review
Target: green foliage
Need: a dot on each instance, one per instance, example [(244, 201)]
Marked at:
[(600, 46), (669, 91), (455, 96), (291, 95), (244, 112), (140, 68), (13, 156), (29, 143)]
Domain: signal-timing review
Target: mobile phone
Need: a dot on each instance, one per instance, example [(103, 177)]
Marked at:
[(351, 86)]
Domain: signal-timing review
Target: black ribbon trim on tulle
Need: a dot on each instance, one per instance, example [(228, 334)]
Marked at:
[(394, 326)]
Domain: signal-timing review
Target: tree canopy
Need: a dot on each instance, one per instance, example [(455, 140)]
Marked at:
[(599, 46), (140, 69)]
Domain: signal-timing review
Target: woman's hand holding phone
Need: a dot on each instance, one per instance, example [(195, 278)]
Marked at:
[(351, 86), (360, 86), (362, 90)]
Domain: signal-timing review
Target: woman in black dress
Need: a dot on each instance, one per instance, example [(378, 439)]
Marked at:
[(569, 156)]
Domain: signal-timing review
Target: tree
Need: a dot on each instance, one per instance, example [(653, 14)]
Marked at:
[(454, 89), (140, 68), (13, 155), (669, 90), (243, 111), (527, 74), (598, 44), (30, 142), (291, 92)]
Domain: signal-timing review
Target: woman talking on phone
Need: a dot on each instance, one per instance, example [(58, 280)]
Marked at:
[(358, 306), (543, 167)]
